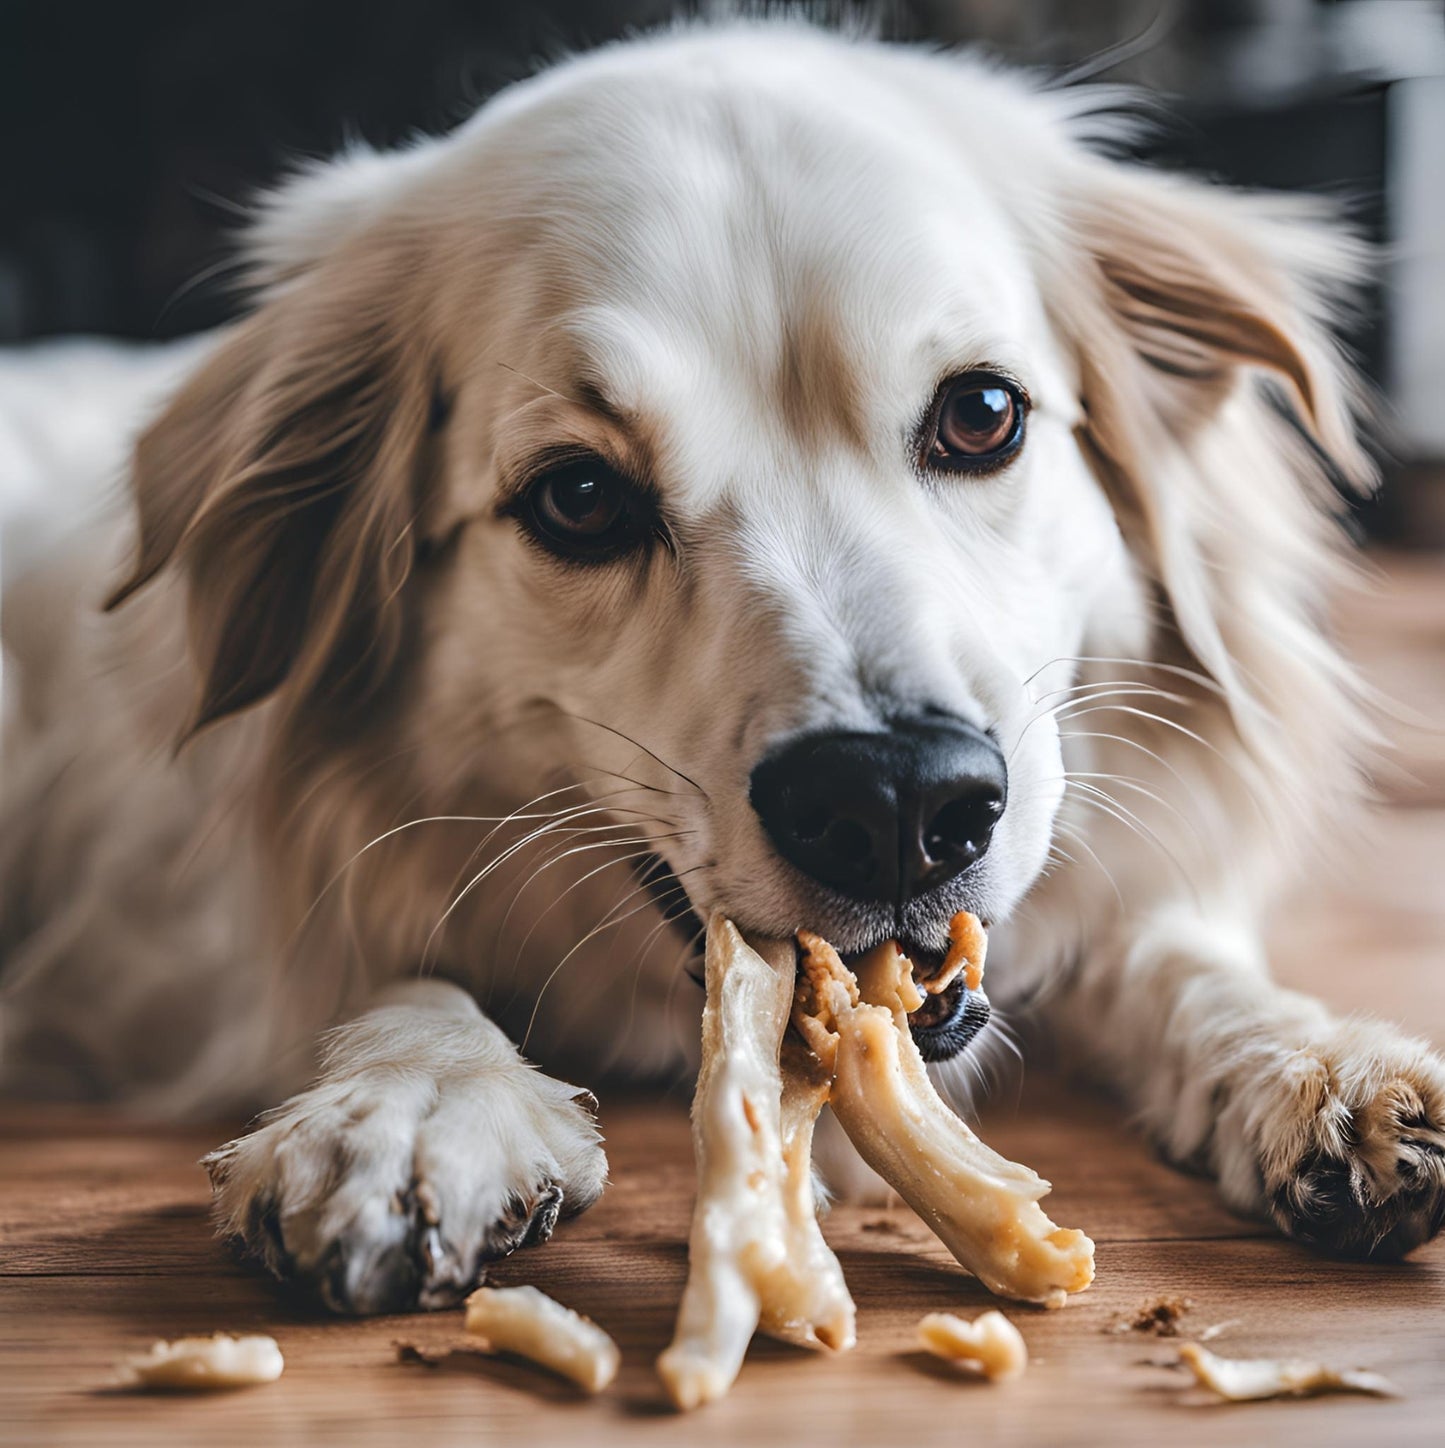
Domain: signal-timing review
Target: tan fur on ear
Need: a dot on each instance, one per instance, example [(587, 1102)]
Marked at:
[(285, 477), (1182, 299), (1204, 281), (177, 456)]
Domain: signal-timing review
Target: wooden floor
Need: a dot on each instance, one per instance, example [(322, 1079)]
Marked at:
[(104, 1245)]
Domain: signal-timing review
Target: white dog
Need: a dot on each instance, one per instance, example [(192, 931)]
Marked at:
[(804, 473)]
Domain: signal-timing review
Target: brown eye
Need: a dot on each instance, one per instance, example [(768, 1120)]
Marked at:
[(585, 509), (978, 423)]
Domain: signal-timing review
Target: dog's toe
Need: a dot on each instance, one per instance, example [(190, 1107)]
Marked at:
[(1330, 1206), (402, 1206), (449, 1269), (430, 1253), (360, 1277), (1368, 1178), (527, 1221), (263, 1236)]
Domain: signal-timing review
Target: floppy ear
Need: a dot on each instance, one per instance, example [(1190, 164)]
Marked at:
[(285, 478), (1202, 281), (1218, 414)]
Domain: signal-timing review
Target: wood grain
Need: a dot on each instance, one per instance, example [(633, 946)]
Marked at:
[(105, 1244)]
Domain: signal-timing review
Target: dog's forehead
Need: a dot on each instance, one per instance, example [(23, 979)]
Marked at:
[(745, 269)]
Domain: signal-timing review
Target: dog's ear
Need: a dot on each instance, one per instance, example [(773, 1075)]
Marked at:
[(1219, 412), (1202, 282), (285, 479)]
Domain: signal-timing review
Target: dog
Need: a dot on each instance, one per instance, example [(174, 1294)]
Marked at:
[(744, 468)]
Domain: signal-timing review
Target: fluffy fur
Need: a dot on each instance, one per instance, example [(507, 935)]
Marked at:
[(738, 262)]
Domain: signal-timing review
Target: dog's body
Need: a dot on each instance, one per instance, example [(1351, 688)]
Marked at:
[(770, 286)]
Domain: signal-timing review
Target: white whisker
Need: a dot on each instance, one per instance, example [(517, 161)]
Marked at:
[(498, 820), (1125, 782), (1064, 709), (1192, 675), (607, 923), (491, 867), (1074, 837), (564, 852), (1122, 816), (559, 816), (1189, 788), (648, 849)]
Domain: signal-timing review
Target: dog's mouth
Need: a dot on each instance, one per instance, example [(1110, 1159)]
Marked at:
[(948, 1020), (942, 1026)]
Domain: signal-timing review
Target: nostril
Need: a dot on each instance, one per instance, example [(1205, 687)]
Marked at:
[(960, 830), (811, 824)]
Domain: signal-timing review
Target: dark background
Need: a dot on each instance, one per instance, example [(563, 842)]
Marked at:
[(131, 134)]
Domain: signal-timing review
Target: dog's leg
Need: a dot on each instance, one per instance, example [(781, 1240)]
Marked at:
[(426, 1148), (1334, 1128)]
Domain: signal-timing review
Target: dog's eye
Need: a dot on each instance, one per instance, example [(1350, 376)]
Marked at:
[(978, 423), (586, 509)]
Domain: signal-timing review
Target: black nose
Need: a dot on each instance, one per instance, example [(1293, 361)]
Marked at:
[(883, 816)]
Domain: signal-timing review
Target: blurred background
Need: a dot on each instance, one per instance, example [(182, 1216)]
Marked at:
[(133, 132)]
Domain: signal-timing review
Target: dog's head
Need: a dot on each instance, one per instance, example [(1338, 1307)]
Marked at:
[(765, 429)]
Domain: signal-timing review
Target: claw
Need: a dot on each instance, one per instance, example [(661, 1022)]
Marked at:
[(432, 1250), (218, 1165), (265, 1238), (1326, 1206), (444, 1280), (524, 1224), (543, 1221)]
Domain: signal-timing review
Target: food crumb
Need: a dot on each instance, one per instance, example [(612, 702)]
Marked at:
[(201, 1364), (990, 1346), (884, 1224), (1160, 1316), (1244, 1380), (427, 1357)]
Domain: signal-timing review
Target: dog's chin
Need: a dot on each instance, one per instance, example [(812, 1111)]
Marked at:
[(942, 1026)]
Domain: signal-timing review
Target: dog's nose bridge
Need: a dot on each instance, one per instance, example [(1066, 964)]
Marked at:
[(874, 617)]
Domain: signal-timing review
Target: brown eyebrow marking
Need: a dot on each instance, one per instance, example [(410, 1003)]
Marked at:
[(527, 377), (589, 395), (815, 381), (628, 450)]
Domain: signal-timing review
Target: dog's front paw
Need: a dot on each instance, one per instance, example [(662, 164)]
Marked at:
[(391, 1189), (1348, 1143)]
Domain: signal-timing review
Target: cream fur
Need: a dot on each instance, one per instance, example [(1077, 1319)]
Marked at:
[(738, 261)]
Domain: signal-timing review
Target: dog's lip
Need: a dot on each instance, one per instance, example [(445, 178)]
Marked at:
[(962, 1014), (936, 1022), (940, 1010)]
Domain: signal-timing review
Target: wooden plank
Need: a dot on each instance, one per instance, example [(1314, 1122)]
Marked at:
[(95, 1270)]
